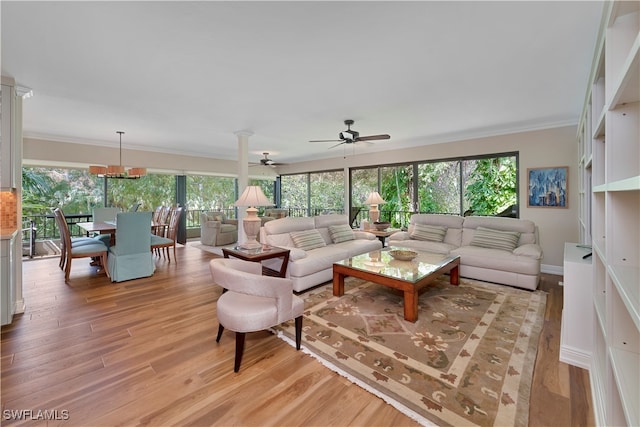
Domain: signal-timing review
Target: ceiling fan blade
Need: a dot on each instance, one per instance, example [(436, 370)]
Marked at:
[(373, 137), (333, 146), (326, 140)]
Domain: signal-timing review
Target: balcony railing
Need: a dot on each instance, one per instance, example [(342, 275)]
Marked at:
[(46, 228)]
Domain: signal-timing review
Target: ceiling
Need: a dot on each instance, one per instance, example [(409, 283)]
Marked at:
[(183, 77)]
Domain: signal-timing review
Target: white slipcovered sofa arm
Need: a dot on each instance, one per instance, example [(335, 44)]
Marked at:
[(400, 235), (295, 253), (530, 250), (363, 235)]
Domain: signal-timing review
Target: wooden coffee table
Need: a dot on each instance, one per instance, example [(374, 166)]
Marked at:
[(407, 276)]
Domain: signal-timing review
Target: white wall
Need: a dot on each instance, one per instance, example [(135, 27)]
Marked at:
[(542, 148)]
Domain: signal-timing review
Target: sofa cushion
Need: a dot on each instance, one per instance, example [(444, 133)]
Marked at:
[(358, 246), (497, 259), (526, 228), (323, 222), (341, 233), (424, 245), (433, 233), (452, 223), (319, 259), (495, 239), (307, 239)]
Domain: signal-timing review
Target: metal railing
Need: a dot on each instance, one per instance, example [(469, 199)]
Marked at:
[(43, 226)]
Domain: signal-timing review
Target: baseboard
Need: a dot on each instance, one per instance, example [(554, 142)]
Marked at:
[(575, 357), (552, 269)]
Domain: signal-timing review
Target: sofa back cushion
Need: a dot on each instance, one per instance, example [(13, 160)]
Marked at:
[(307, 239), (452, 223), (495, 239), (323, 222), (432, 233), (525, 227), (341, 233), (277, 231)]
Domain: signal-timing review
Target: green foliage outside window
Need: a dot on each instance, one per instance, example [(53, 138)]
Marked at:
[(491, 186)]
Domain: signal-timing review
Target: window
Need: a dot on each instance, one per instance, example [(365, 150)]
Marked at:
[(483, 185), (315, 193)]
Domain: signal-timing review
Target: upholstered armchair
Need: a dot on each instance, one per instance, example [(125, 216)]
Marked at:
[(253, 302), (217, 230), (273, 213)]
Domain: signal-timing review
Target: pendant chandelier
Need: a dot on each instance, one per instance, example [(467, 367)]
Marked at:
[(118, 171)]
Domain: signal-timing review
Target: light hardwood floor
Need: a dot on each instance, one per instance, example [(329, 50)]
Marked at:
[(143, 352)]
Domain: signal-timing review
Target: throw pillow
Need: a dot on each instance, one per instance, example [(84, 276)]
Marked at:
[(341, 233), (433, 233), (307, 239), (495, 239)]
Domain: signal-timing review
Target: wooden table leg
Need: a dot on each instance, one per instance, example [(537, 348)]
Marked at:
[(454, 276), (338, 284), (410, 306)]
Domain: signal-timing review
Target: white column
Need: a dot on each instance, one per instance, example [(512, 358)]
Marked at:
[(243, 176)]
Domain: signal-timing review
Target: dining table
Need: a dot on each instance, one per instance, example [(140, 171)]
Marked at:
[(109, 227)]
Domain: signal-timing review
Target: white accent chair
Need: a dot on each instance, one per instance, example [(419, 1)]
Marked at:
[(251, 302)]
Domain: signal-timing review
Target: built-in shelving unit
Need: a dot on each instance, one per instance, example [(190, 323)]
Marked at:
[(609, 167)]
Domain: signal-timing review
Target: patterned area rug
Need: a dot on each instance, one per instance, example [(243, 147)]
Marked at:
[(468, 360)]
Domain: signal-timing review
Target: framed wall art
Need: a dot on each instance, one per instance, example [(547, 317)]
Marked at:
[(548, 187)]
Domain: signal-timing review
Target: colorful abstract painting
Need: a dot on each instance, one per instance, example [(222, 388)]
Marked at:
[(548, 187)]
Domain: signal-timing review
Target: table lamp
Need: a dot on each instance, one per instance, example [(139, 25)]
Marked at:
[(251, 197), (374, 200)]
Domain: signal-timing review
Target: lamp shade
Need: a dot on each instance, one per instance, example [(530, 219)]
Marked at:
[(253, 196), (374, 199)]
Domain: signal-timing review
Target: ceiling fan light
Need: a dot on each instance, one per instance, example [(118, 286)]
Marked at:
[(98, 170), (114, 170), (137, 172)]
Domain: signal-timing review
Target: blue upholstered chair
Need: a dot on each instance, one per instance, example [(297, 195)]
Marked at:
[(105, 214), (163, 243), (78, 248), (130, 258), (61, 221)]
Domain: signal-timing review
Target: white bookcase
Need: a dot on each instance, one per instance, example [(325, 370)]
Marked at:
[(609, 164)]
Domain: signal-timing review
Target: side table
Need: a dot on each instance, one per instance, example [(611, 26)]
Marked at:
[(260, 254), (382, 235)]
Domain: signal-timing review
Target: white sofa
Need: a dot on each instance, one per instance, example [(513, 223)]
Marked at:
[(481, 256), (308, 268)]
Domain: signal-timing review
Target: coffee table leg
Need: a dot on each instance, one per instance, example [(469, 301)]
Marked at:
[(410, 306), (454, 276), (338, 284)]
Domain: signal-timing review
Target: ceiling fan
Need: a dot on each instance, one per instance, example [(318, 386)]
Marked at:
[(266, 161), (351, 136)]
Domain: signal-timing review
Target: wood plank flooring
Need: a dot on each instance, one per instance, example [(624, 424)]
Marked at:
[(143, 352)]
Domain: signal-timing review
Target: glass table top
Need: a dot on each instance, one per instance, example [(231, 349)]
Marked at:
[(382, 263)]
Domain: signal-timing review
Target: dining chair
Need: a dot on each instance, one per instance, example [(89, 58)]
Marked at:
[(163, 243), (63, 227), (253, 302), (105, 214), (130, 257), (91, 248)]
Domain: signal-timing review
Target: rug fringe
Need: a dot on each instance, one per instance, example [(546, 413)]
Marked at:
[(399, 406)]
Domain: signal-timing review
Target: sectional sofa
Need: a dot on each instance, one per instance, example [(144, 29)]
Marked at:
[(493, 249), (315, 244)]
